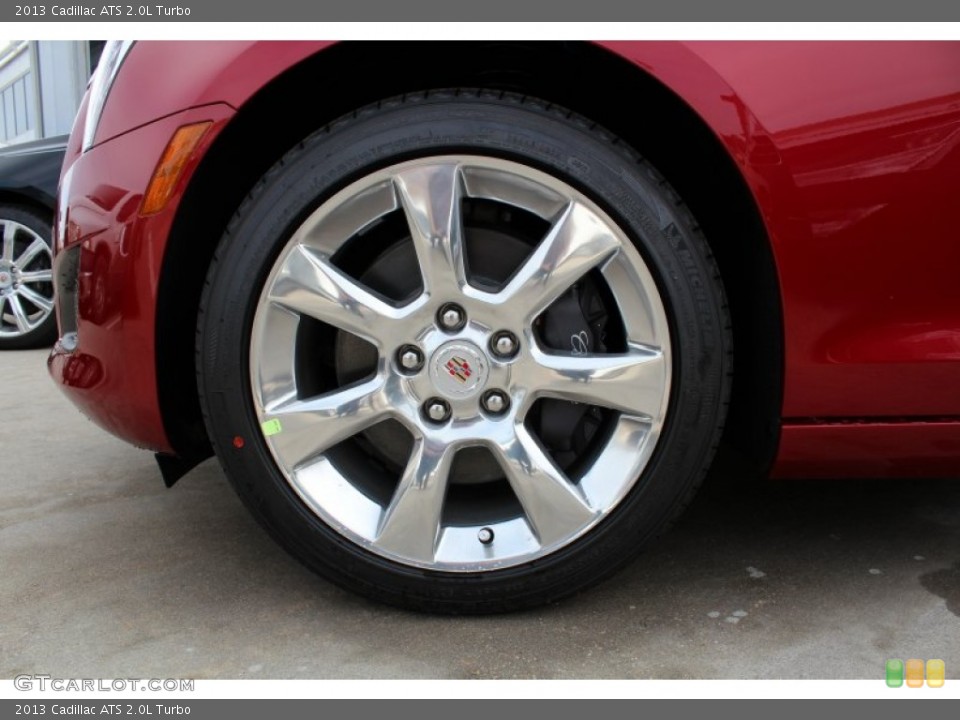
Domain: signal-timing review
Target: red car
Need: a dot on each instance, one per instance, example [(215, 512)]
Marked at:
[(466, 323)]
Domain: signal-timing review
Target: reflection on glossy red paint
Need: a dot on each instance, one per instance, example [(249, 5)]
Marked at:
[(119, 263), (885, 340), (863, 219), (900, 449), (80, 371)]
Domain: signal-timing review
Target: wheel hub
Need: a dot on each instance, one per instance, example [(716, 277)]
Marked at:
[(6, 276), (459, 370)]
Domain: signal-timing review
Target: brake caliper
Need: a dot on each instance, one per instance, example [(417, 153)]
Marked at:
[(576, 324)]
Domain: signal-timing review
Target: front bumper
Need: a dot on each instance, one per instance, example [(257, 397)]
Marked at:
[(107, 269)]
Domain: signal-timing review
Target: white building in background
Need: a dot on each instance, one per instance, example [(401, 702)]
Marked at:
[(41, 86)]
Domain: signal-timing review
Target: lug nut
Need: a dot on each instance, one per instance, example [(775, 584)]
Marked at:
[(410, 358), (495, 402), (485, 535), (504, 344), (436, 410), (452, 317)]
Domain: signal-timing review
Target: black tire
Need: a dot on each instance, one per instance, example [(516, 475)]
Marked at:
[(553, 141), (44, 334)]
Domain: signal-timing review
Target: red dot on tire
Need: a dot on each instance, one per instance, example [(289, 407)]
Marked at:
[(238, 442)]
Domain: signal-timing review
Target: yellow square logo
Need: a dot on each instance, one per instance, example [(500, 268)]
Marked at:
[(936, 673)]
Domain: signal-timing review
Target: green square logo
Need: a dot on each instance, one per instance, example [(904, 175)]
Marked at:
[(894, 673)]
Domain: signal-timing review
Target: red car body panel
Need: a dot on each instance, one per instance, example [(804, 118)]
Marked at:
[(852, 154), (111, 376), (208, 73), (857, 183), (869, 450)]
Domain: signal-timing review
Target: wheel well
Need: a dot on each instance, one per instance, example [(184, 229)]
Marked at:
[(8, 197), (674, 139)]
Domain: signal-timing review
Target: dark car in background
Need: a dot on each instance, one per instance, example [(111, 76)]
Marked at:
[(28, 188)]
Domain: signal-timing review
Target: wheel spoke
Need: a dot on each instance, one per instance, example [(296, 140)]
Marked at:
[(9, 230), (23, 324), (306, 428), (631, 382), (578, 242), (37, 276), (410, 525), (36, 299), (431, 196), (33, 250), (310, 285), (553, 505)]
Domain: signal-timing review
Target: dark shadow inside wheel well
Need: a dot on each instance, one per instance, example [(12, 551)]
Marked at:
[(350, 75)]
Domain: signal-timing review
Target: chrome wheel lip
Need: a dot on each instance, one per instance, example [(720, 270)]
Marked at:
[(400, 395), (16, 319)]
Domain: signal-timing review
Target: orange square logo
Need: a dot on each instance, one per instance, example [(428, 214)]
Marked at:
[(914, 673)]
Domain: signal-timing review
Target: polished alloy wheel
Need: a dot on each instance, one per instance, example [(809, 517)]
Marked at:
[(26, 280), (464, 351), (460, 363)]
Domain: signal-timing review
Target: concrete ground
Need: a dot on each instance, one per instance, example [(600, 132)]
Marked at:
[(105, 573)]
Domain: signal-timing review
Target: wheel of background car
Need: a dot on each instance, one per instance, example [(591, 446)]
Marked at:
[(27, 319), (464, 352)]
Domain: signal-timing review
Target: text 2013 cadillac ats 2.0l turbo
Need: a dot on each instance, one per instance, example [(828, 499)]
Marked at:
[(467, 323)]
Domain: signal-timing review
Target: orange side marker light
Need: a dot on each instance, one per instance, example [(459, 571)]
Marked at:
[(172, 162)]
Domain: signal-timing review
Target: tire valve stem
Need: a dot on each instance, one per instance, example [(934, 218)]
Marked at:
[(485, 536)]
